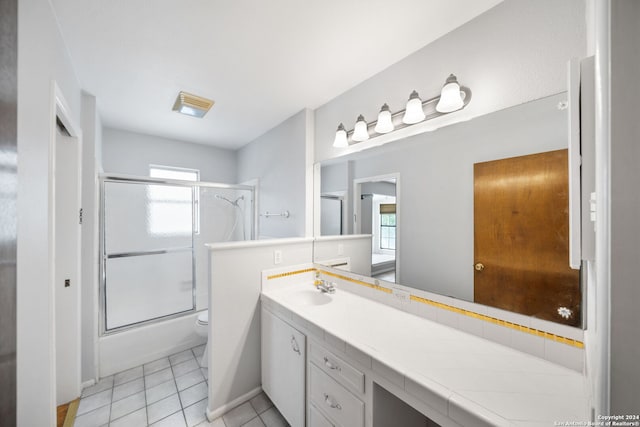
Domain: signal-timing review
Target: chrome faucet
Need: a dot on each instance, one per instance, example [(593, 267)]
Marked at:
[(327, 287)]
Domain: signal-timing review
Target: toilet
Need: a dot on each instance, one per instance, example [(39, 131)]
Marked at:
[(202, 329)]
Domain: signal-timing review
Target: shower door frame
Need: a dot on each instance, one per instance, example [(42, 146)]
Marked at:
[(132, 179)]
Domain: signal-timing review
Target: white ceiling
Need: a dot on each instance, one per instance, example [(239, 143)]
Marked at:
[(261, 61)]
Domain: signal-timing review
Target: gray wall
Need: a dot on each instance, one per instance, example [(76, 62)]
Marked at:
[(513, 53), (277, 160), (131, 153), (42, 58), (8, 218), (625, 206), (435, 187)]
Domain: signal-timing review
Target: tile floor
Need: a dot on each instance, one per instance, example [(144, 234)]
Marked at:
[(168, 392)]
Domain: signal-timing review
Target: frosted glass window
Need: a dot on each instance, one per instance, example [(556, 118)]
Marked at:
[(168, 204)]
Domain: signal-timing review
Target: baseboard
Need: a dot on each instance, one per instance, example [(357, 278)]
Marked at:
[(87, 383), (218, 412)]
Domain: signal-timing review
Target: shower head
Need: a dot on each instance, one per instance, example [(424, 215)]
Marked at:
[(234, 203)]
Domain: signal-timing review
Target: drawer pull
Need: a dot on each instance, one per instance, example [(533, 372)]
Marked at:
[(295, 346), (330, 364), (330, 402)]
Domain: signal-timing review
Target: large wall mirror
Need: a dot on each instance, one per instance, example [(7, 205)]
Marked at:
[(477, 210)]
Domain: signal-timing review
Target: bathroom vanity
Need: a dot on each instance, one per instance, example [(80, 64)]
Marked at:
[(345, 360)]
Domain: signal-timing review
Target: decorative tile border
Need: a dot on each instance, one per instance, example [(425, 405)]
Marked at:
[(517, 327), (483, 317), (358, 282), (291, 273)]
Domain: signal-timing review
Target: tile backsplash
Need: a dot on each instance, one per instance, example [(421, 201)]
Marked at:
[(559, 344), (556, 343)]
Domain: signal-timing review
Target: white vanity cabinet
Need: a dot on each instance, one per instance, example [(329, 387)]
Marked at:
[(316, 419), (335, 388), (335, 401), (283, 367)]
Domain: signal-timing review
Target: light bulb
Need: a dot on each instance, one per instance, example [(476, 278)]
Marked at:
[(360, 132), (341, 137), (450, 97), (384, 125), (413, 113)]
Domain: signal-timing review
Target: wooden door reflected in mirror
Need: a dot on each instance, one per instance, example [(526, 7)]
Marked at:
[(521, 237)]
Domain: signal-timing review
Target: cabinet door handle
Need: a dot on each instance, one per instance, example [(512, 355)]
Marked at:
[(330, 364), (295, 346), (331, 402)]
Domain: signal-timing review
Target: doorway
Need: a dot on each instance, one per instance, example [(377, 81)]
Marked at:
[(376, 212), (66, 240)]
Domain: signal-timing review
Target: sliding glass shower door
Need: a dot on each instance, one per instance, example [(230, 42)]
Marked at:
[(147, 251)]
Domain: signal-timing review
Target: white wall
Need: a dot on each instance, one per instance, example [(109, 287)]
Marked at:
[(357, 248), (234, 314), (625, 206), (42, 57), (92, 135), (277, 160), (513, 53), (131, 153)]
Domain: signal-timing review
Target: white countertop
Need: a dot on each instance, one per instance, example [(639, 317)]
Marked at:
[(507, 386)]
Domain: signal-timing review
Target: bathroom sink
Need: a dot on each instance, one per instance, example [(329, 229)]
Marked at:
[(308, 297)]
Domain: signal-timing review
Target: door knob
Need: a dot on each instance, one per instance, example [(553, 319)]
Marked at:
[(479, 266)]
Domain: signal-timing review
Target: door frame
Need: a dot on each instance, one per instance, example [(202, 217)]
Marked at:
[(357, 192), (60, 110)]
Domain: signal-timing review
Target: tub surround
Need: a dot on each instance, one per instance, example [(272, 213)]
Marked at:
[(450, 376), (147, 343)]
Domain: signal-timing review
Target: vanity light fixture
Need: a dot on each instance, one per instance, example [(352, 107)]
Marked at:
[(341, 137), (385, 122), (450, 97), (360, 131), (453, 97), (192, 105), (414, 112)]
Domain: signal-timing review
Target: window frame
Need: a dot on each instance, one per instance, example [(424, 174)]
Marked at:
[(382, 226), (195, 193)]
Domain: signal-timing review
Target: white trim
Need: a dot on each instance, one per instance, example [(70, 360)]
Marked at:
[(257, 243), (603, 215), (309, 173), (218, 412), (88, 383), (255, 183), (356, 210), (575, 160), (317, 192), (60, 110), (96, 276), (341, 237)]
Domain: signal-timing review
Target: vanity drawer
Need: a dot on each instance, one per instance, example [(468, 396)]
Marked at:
[(336, 401), (336, 367), (316, 419)]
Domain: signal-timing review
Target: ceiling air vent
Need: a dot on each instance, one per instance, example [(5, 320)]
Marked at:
[(192, 105)]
